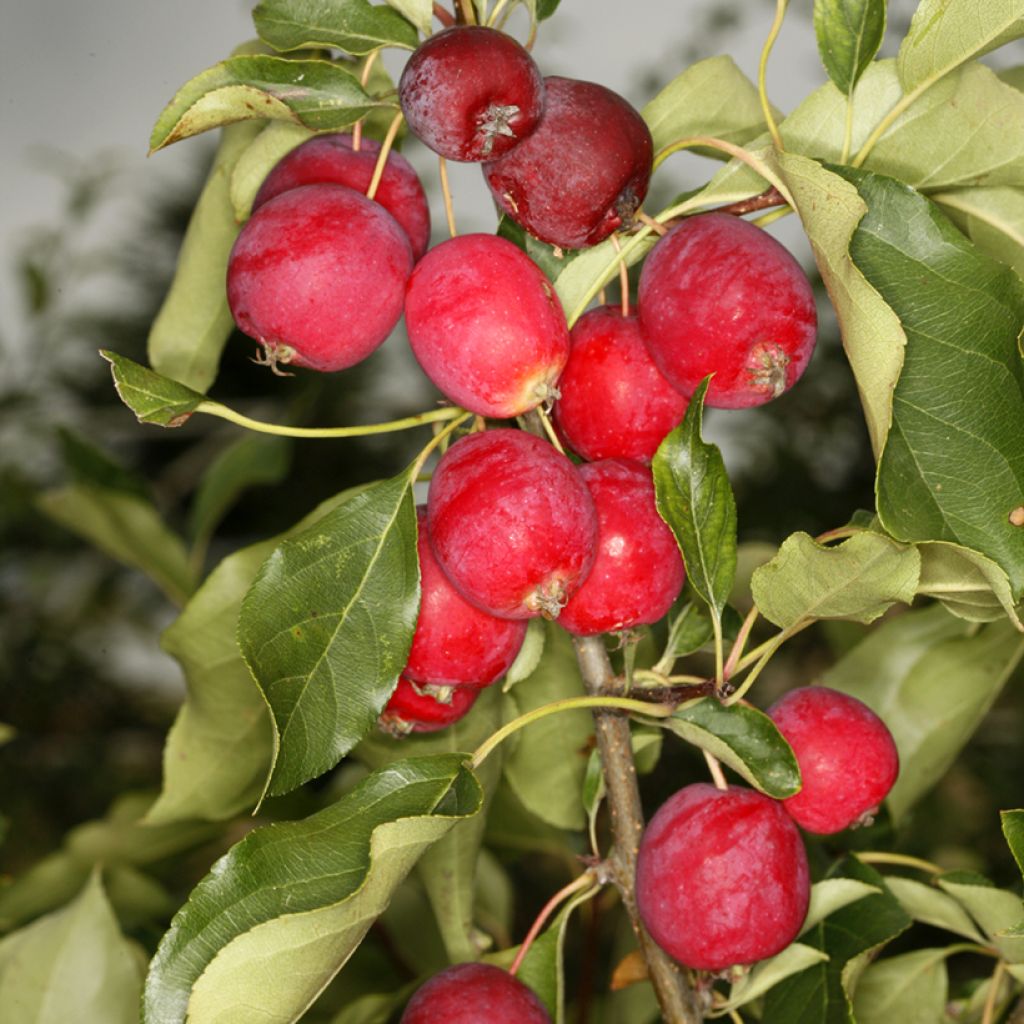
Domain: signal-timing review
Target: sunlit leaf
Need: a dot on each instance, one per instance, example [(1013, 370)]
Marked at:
[(419, 12), (849, 34), (911, 988), (354, 26)]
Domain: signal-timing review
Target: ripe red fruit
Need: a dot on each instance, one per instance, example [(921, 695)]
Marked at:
[(330, 159), (317, 277), (614, 400), (471, 93), (486, 326), (638, 571), (582, 173), (412, 709), (718, 295), (511, 522), (456, 644), (721, 877), (472, 994), (847, 757)]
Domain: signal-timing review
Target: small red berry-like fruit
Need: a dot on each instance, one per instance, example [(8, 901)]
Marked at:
[(455, 643), (582, 173), (486, 326), (471, 93), (330, 159), (721, 877), (512, 523), (414, 709), (718, 295), (317, 277), (847, 757), (638, 571), (614, 400), (473, 994)]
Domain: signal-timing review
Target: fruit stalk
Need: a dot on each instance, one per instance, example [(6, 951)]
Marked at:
[(675, 996)]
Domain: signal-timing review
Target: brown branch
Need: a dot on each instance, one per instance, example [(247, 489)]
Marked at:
[(443, 16), (675, 996), (770, 197)]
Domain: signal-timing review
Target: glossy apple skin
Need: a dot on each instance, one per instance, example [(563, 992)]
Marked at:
[(512, 523), (719, 295), (722, 877), (409, 710), (486, 326), (638, 571), (582, 173), (317, 275), (614, 402), (474, 993), (471, 93), (847, 757), (330, 159), (455, 643)]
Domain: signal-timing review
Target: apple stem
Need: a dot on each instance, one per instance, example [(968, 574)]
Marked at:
[(655, 226), (364, 78), (446, 192), (498, 8), (766, 107), (676, 997), (468, 14), (740, 642), (443, 16), (715, 768), (584, 881), (623, 275), (992, 999), (549, 430), (382, 156)]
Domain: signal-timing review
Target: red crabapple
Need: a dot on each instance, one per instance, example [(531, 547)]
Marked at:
[(486, 326), (330, 159), (582, 173), (413, 709), (512, 523), (455, 643), (613, 399), (471, 93), (638, 571), (474, 993), (847, 757), (721, 877), (718, 295), (317, 276)]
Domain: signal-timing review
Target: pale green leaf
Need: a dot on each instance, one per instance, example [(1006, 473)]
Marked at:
[(995, 910), (831, 895), (528, 658), (857, 579), (354, 26), (419, 12), (796, 957), (931, 906), (275, 141), (911, 988), (849, 34), (970, 585)]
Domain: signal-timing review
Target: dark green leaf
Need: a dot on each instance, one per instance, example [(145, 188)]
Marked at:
[(857, 579), (1013, 830), (695, 499), (909, 987), (689, 631), (301, 895), (818, 995), (188, 334), (545, 8), (849, 34), (962, 315), (152, 397), (353, 26), (314, 93), (90, 465), (992, 218), (743, 738), (327, 625)]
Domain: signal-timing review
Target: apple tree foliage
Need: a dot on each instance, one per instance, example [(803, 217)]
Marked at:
[(907, 177)]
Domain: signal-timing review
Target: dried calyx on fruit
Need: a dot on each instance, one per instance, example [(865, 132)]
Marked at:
[(414, 708)]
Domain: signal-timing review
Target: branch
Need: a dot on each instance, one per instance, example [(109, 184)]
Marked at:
[(676, 997)]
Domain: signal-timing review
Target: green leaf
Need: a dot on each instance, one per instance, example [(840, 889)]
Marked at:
[(743, 738), (931, 906), (250, 461), (314, 93), (766, 974), (47, 884), (546, 762), (970, 585), (71, 965), (962, 315), (272, 144), (932, 684), (189, 332), (301, 895), (552, 260), (353, 26), (945, 33), (995, 910), (153, 397), (689, 631), (1013, 830), (90, 465), (712, 97), (818, 995), (911, 988), (127, 528), (419, 12), (856, 579), (992, 218), (529, 655), (695, 498), (849, 34), (327, 625), (831, 895)]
